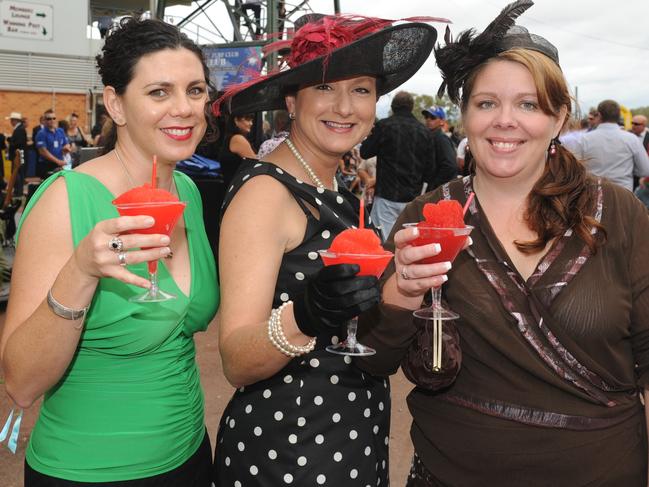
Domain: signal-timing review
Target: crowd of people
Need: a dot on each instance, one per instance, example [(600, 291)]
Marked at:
[(550, 366)]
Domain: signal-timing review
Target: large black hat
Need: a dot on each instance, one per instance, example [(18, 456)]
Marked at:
[(328, 48), (458, 59)]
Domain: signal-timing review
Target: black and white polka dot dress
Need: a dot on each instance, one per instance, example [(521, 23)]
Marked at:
[(320, 420)]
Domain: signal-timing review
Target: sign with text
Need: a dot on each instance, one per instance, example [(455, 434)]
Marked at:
[(232, 65), (26, 20)]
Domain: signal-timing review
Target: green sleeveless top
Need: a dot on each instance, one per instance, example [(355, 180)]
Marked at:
[(130, 404)]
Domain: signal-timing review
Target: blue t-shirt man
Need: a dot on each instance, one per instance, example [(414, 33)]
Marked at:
[(51, 143)]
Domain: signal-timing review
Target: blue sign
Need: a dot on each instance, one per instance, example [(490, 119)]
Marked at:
[(232, 65)]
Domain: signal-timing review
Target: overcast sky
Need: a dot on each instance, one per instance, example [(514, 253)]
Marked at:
[(603, 44)]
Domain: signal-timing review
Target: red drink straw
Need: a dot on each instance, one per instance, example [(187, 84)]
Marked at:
[(361, 222), (154, 171), (468, 202)]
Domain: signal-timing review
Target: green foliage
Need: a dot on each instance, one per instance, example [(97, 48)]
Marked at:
[(424, 101), (640, 111)]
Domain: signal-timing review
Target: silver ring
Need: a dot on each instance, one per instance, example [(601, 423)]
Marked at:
[(115, 244), (404, 274), (122, 258)]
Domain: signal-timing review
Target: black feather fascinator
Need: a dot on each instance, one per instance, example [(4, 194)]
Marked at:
[(457, 59)]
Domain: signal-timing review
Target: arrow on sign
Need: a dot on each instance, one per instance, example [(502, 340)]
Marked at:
[(44, 31), (40, 14)]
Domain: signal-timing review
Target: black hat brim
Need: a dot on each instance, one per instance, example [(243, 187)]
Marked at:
[(392, 55)]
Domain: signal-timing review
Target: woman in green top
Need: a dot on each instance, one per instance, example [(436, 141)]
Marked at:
[(123, 403)]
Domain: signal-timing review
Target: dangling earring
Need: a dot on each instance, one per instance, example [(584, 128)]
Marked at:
[(467, 149), (553, 148), (291, 116)]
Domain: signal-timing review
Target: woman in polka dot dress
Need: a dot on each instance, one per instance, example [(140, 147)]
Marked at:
[(302, 416)]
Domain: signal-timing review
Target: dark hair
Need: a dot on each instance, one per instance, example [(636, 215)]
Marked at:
[(125, 45), (49, 110), (74, 115), (565, 195), (402, 101), (609, 110)]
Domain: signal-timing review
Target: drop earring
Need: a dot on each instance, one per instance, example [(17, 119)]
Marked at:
[(553, 148)]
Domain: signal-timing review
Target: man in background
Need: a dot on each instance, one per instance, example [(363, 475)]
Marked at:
[(51, 143), (639, 128), (404, 149), (445, 153), (611, 152)]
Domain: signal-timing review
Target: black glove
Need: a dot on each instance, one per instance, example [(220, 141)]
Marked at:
[(333, 296)]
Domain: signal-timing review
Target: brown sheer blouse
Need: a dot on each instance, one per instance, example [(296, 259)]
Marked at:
[(552, 366)]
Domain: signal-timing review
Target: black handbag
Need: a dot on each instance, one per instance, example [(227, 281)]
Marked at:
[(417, 364)]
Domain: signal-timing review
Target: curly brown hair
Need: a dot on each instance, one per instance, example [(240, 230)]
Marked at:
[(565, 195)]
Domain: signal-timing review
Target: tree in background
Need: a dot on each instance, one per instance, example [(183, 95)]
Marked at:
[(424, 101)]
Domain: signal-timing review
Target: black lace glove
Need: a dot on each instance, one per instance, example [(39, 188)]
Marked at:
[(333, 296)]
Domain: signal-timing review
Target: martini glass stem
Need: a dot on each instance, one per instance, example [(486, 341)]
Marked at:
[(437, 297), (352, 326), (153, 278)]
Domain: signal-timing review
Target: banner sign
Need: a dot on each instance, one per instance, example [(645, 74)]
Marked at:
[(26, 20), (232, 65)]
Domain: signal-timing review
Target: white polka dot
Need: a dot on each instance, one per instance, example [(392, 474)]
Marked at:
[(385, 384), (299, 276), (254, 470), (231, 188), (266, 394), (338, 456), (321, 479), (283, 297), (292, 439), (245, 177), (335, 340), (334, 379), (320, 190), (386, 441), (367, 413), (301, 461), (368, 450), (272, 454), (232, 423), (351, 396), (301, 383), (353, 473), (335, 214), (298, 400), (317, 200), (288, 478), (241, 446), (279, 170), (313, 255), (375, 429), (353, 435), (314, 362), (242, 388), (278, 415), (248, 409), (369, 219), (299, 181), (227, 461), (383, 464), (318, 400), (257, 165), (326, 234), (288, 379), (319, 439), (369, 395), (339, 200), (301, 421), (335, 417), (347, 359), (237, 483), (381, 406), (257, 431)]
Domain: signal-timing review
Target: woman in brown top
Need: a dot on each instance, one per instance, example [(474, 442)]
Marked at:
[(553, 293)]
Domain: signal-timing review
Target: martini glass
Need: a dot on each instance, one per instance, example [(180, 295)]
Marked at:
[(451, 241), (165, 214), (370, 265)]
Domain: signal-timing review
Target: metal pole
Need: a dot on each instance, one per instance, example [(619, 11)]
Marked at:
[(271, 28), (153, 4), (337, 6)]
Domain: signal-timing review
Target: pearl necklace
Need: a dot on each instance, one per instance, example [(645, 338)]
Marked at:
[(314, 177)]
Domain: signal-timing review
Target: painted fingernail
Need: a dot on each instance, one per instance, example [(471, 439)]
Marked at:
[(165, 250), (447, 266), (444, 278), (149, 221), (470, 241), (165, 240), (415, 231), (437, 247)]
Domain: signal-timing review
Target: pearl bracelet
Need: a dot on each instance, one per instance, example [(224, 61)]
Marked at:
[(278, 339)]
